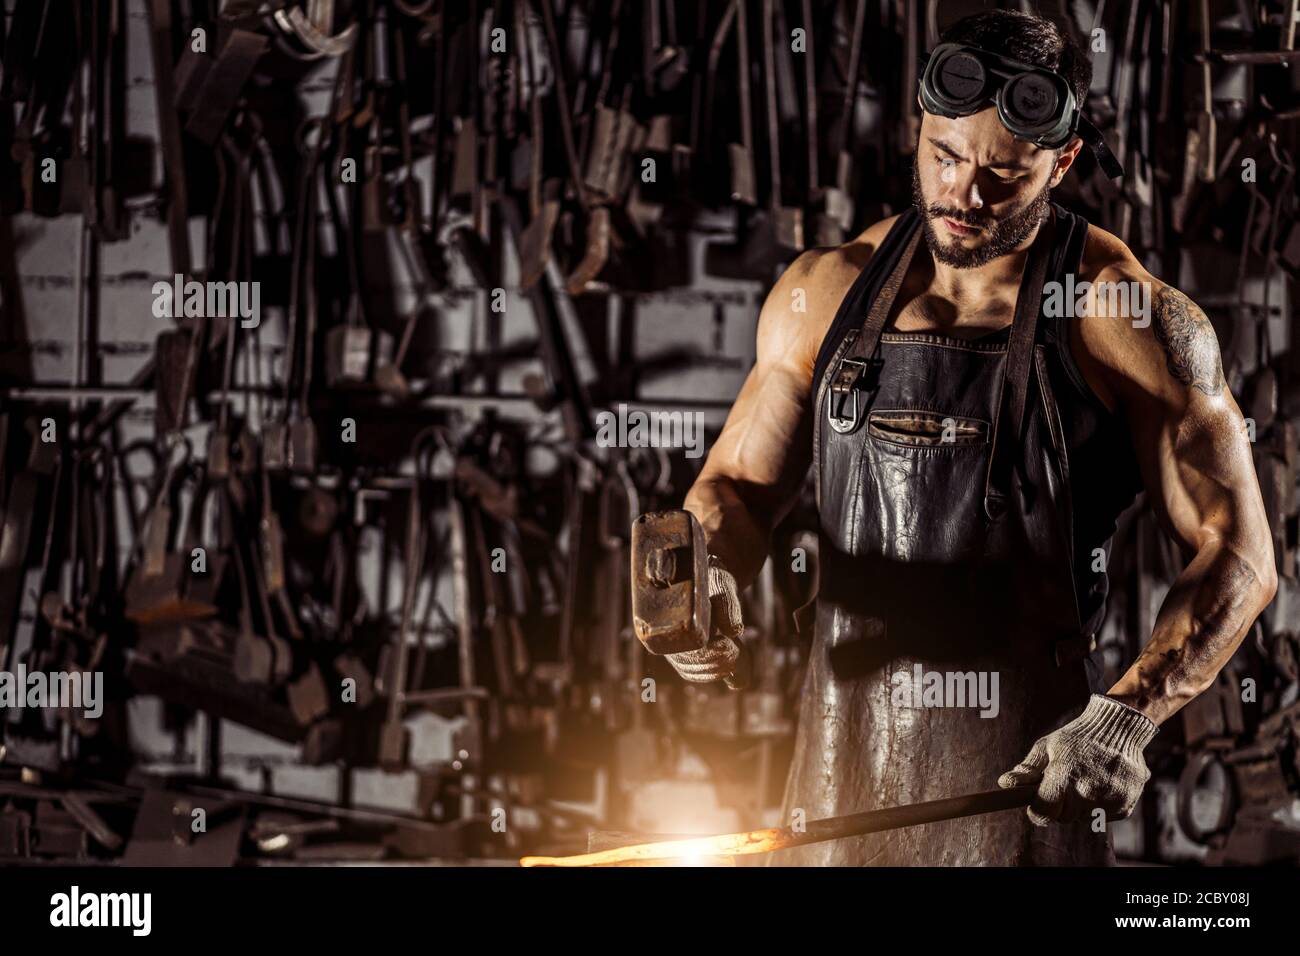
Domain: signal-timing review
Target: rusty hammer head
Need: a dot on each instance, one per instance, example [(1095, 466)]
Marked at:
[(670, 582)]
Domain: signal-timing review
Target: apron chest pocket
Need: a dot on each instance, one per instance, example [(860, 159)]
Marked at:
[(916, 428)]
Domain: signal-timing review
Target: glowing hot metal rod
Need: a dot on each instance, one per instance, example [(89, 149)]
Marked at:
[(817, 831)]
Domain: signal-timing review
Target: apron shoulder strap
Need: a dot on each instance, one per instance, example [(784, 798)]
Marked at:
[(869, 336), (865, 288), (858, 347), (1009, 418)]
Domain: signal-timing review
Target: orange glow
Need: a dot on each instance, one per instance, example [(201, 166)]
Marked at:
[(693, 852)]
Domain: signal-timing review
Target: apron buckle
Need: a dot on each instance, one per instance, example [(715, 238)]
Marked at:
[(844, 404)]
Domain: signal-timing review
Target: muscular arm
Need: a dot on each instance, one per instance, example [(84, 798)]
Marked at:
[(756, 467), (1193, 451), (754, 470)]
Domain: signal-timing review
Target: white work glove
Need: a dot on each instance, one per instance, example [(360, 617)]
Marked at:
[(720, 656), (1093, 761)]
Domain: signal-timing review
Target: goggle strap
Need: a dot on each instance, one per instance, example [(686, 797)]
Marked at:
[(1097, 143)]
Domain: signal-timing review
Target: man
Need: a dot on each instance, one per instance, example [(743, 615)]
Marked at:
[(972, 450)]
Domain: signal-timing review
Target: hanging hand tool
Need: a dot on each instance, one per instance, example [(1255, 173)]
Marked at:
[(835, 217), (74, 193), (614, 133), (613, 129), (555, 52), (106, 122), (212, 88), (468, 174), (169, 134), (357, 354), (26, 507), (787, 220), (165, 588), (311, 30), (1206, 128), (811, 131), (909, 111), (744, 187), (773, 235), (294, 443), (543, 195), (703, 125)]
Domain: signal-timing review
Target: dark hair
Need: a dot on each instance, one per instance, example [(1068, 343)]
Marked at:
[(1028, 38)]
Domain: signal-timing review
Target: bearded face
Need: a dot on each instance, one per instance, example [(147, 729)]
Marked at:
[(980, 191)]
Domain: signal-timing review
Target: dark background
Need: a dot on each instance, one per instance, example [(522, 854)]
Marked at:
[(521, 723)]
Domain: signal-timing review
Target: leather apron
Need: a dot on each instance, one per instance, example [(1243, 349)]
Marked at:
[(945, 565)]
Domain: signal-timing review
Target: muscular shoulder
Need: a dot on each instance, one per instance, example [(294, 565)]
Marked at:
[(801, 306), (1134, 336)]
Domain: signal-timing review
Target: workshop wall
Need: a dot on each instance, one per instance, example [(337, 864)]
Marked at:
[(524, 692)]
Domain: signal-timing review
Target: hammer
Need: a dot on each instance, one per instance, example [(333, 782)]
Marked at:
[(816, 831), (671, 612)]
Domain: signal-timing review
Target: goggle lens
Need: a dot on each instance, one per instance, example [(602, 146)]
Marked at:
[(1031, 99), (961, 78)]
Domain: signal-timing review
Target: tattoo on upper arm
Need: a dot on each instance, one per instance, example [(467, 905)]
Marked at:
[(1191, 347)]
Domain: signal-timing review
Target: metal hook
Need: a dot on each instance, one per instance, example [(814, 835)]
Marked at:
[(312, 34)]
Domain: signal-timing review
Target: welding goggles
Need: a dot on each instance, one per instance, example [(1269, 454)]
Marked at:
[(1036, 105)]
